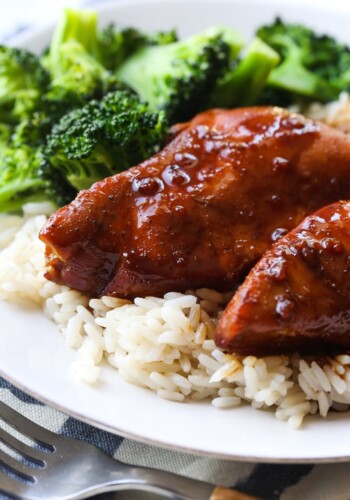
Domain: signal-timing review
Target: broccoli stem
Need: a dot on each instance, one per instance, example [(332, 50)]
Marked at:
[(291, 74), (16, 204), (30, 189), (74, 25), (243, 85)]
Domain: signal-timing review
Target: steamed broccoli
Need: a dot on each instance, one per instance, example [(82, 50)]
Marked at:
[(76, 76), (23, 179), (243, 84), (19, 174), (116, 45), (5, 136), (79, 72), (104, 137), (78, 26), (54, 104), (313, 66), (74, 61), (22, 82), (179, 77), (162, 38), (34, 129)]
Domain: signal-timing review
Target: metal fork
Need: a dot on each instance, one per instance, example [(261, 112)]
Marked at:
[(61, 468)]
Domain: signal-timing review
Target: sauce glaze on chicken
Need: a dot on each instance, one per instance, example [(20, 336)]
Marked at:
[(297, 297), (203, 210)]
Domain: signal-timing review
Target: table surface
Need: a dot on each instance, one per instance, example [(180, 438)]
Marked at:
[(267, 481)]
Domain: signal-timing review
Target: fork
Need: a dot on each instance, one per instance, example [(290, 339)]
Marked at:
[(61, 468)]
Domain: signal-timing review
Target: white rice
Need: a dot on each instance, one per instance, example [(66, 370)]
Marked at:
[(336, 113), (166, 344)]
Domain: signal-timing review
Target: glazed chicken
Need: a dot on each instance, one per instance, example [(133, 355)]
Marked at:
[(202, 211), (297, 298)]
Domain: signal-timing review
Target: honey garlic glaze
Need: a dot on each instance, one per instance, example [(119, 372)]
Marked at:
[(203, 210)]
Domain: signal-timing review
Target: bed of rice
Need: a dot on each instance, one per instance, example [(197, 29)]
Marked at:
[(166, 344)]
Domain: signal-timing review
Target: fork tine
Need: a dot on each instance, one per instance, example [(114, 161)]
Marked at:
[(29, 452), (27, 427), (16, 466), (11, 486)]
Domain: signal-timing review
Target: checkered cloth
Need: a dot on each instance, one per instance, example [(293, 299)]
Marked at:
[(266, 481)]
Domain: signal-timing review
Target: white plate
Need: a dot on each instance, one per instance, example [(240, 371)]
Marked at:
[(35, 358)]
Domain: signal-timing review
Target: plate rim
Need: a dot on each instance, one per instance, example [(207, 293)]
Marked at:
[(170, 447), (105, 6)]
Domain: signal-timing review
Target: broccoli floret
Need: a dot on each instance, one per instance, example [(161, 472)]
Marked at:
[(313, 66), (244, 83), (57, 188), (274, 96), (54, 104), (25, 176), (104, 137), (179, 77), (74, 60), (33, 129), (116, 45), (77, 76), (20, 178), (23, 80), (162, 38), (78, 26), (80, 74), (5, 136)]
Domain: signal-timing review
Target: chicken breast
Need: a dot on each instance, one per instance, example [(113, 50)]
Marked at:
[(297, 297), (202, 211)]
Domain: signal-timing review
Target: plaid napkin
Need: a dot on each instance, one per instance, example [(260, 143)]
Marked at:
[(266, 481)]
